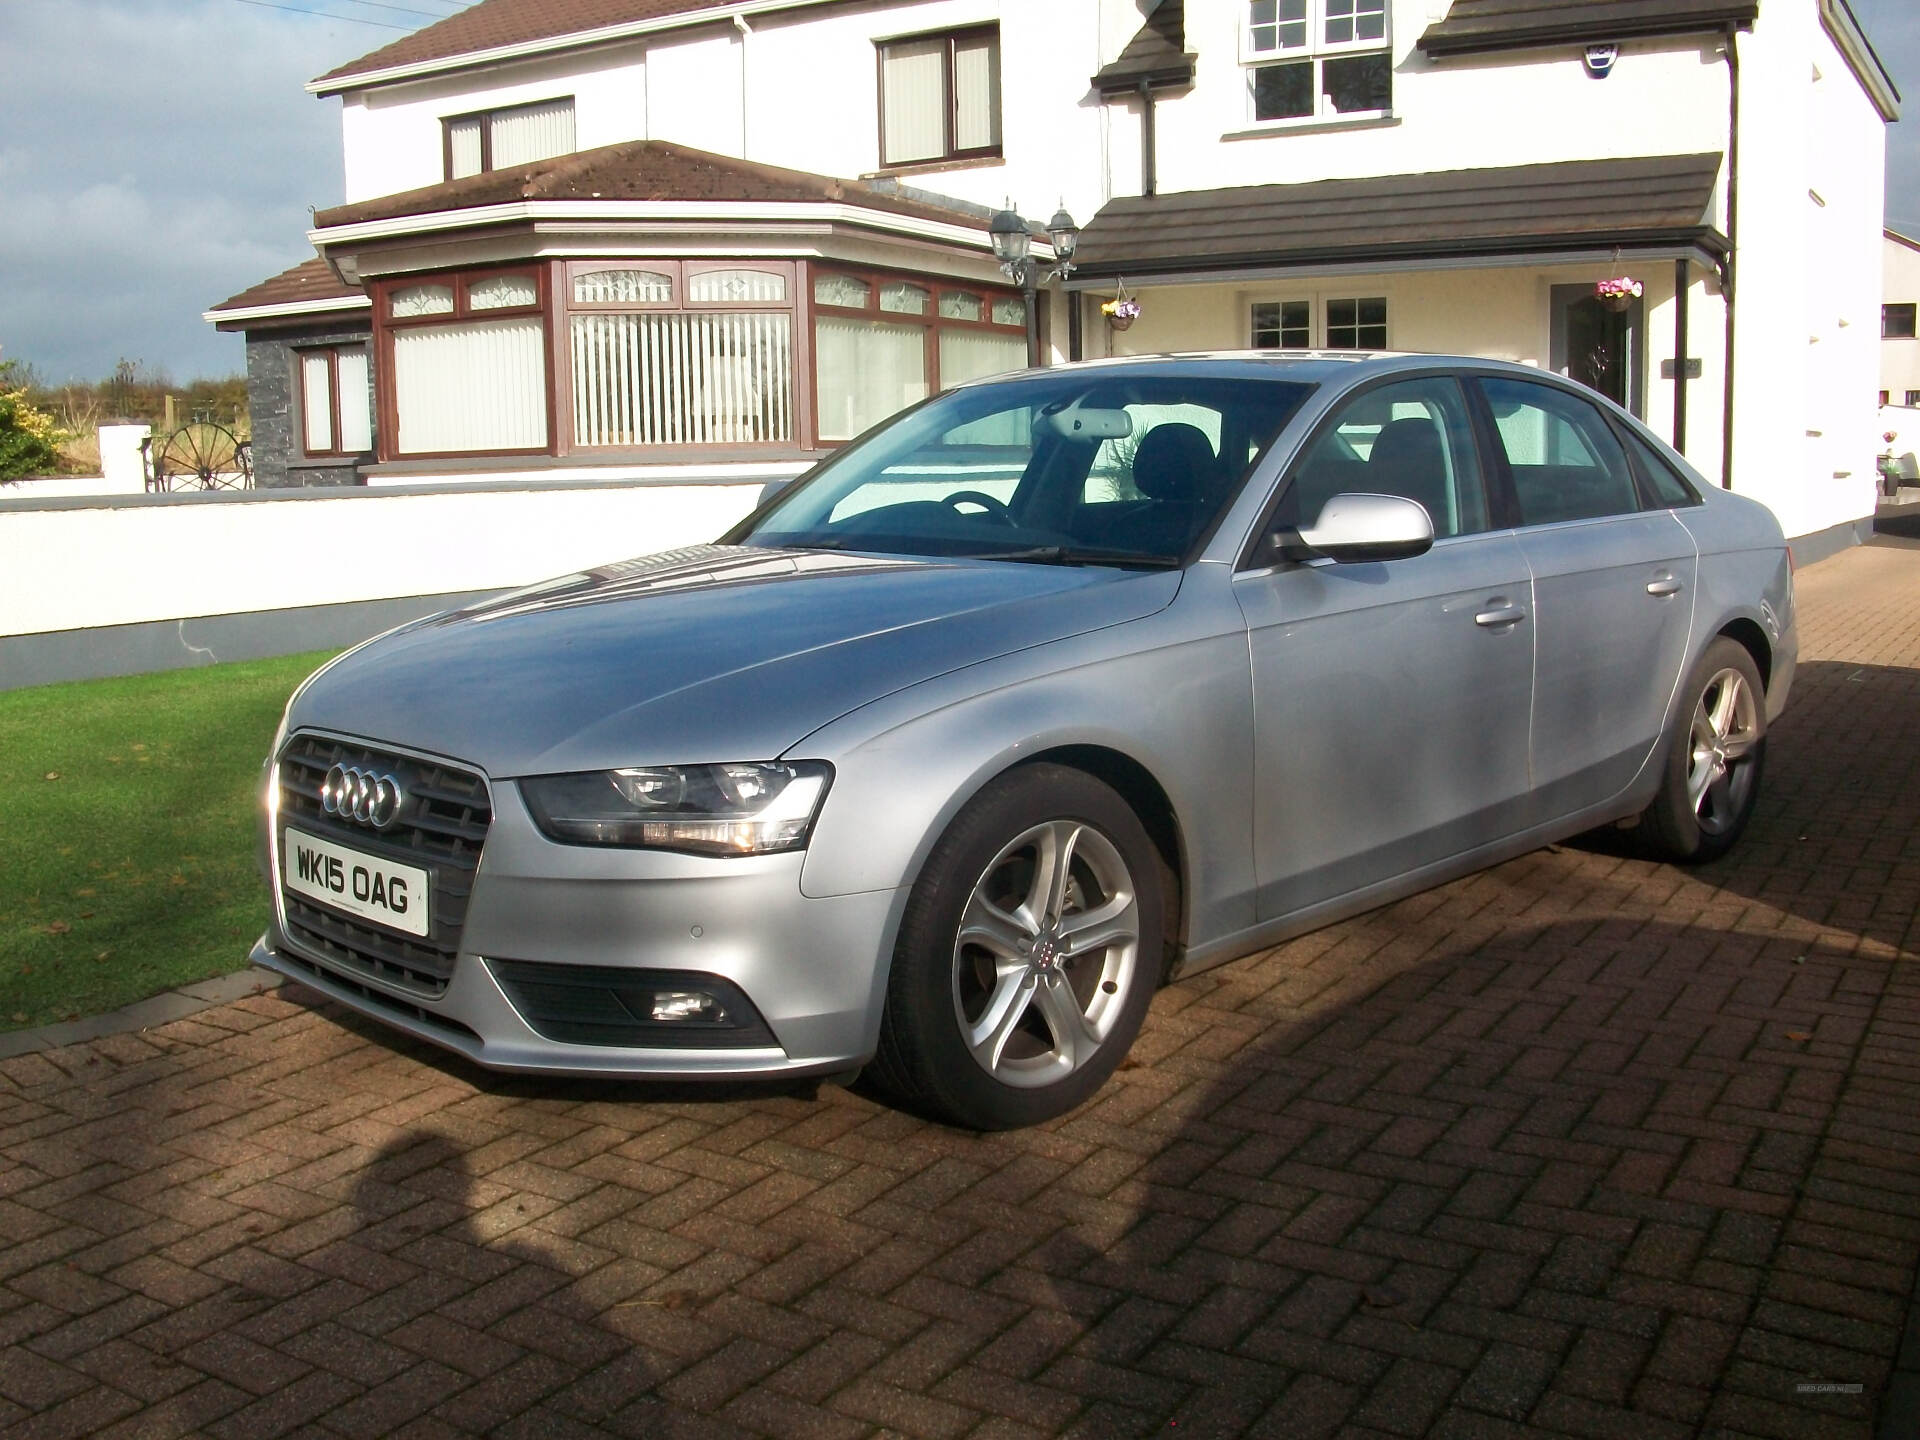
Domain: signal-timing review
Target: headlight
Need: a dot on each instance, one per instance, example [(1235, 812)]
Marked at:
[(705, 809)]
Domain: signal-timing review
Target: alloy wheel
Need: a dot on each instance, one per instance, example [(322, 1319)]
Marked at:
[(1726, 727), (1045, 953)]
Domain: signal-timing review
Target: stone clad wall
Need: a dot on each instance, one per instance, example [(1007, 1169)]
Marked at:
[(273, 392)]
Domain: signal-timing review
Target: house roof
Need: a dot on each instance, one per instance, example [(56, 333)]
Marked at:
[(1663, 199), (1477, 26), (1157, 55), (490, 26), (648, 170), (310, 287)]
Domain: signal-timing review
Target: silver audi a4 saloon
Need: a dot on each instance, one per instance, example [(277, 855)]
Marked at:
[(1054, 686)]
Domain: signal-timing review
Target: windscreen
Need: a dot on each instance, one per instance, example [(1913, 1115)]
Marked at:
[(1073, 468)]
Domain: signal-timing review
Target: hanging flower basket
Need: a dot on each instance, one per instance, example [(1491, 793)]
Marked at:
[(1122, 310), (1619, 294)]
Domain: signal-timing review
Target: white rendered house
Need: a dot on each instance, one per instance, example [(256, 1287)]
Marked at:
[(686, 239)]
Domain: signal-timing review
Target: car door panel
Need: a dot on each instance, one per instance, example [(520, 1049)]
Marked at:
[(1614, 603), (1409, 743), (1613, 586)]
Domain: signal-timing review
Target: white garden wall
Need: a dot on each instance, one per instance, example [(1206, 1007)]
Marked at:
[(82, 565)]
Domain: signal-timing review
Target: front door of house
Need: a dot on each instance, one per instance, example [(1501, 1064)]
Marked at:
[(1600, 346)]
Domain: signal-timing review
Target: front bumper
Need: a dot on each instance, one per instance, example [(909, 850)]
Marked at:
[(814, 969)]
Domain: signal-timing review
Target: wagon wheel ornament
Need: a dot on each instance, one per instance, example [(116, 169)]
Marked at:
[(202, 456)]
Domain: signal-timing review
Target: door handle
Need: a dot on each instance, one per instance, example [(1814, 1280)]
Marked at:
[(1499, 616), (1666, 585)]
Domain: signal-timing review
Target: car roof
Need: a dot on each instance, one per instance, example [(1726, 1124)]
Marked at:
[(1313, 367)]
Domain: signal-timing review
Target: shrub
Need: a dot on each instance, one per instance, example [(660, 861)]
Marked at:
[(29, 440)]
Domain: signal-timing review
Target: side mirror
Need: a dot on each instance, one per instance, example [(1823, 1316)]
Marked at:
[(1357, 527)]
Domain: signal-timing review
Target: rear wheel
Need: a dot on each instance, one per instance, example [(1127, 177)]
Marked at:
[(1028, 955), (1715, 753)]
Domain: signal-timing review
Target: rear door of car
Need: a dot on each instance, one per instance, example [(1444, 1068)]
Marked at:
[(1391, 698), (1613, 584)]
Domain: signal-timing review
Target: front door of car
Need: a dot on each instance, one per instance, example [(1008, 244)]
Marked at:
[(1390, 697), (1613, 586)]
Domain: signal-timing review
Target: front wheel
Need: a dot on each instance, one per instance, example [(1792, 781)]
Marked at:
[(1028, 955), (1715, 753)]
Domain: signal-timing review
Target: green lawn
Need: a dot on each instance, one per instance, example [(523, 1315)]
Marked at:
[(127, 833)]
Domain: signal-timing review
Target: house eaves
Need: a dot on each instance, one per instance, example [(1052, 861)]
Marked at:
[(1157, 56), (722, 214), (338, 82), (1644, 203), (1479, 27), (1844, 30)]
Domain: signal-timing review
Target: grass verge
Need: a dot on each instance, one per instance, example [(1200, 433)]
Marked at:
[(127, 833)]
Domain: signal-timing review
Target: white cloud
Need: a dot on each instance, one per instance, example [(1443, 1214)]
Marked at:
[(159, 156)]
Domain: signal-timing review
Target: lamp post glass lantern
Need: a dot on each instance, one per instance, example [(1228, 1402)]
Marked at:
[(1013, 247)]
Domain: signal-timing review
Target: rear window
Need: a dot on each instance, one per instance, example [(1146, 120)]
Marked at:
[(1669, 486)]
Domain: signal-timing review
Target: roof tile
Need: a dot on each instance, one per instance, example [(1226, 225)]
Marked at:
[(645, 170), (1407, 216)]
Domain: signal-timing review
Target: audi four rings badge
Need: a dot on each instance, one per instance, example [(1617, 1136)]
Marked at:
[(366, 797)]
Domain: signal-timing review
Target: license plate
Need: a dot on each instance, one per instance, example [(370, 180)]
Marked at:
[(364, 885)]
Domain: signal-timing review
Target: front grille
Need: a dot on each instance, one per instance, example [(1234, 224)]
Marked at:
[(441, 829), (380, 1000)]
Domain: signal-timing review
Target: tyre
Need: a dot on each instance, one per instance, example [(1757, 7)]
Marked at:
[(1030, 948), (1716, 749)]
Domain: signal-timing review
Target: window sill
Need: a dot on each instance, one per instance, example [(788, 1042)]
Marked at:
[(922, 167), (1312, 127)]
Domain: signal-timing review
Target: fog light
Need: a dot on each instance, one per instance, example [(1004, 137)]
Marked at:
[(687, 1005)]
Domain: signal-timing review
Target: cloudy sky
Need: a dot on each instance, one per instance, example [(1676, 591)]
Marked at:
[(157, 156)]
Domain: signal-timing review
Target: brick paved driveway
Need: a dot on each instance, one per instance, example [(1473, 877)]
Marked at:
[(1581, 1146)]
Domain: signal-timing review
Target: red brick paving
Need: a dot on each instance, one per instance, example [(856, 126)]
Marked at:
[(1581, 1146)]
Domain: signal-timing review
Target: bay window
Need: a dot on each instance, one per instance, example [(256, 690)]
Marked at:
[(881, 343), (467, 356), (940, 97), (335, 418), (1311, 60), (500, 139), (681, 353)]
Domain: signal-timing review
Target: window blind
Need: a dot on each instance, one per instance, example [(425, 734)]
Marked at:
[(976, 93), (865, 372), (532, 132), (913, 80), (316, 384), (356, 419), (675, 379), (470, 387), (463, 140)]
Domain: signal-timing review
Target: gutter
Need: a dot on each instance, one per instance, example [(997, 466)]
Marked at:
[(1837, 18), (546, 45), (1587, 32), (287, 309), (709, 211), (1708, 244)]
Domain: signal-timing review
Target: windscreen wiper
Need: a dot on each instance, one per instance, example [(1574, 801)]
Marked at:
[(1081, 555)]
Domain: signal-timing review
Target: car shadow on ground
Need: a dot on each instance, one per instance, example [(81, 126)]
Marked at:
[(1578, 1139)]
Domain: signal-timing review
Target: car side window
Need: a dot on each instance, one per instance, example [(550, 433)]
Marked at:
[(1566, 463), (1412, 439), (1670, 489)]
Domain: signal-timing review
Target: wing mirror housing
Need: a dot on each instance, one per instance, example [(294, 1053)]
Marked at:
[(1358, 527)]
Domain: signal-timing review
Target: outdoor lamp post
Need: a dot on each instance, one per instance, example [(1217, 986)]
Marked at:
[(1013, 248)]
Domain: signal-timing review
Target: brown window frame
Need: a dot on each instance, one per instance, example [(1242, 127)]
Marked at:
[(932, 323), (385, 323), (679, 272), (332, 352), (486, 119), (1905, 310), (949, 152)]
